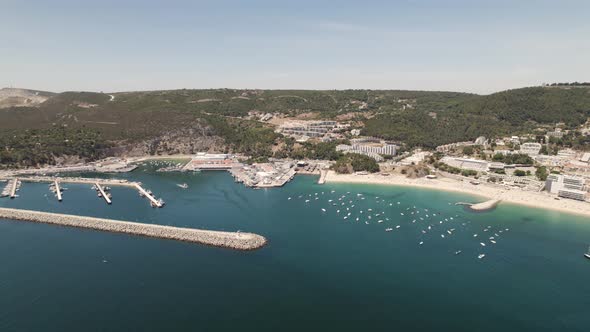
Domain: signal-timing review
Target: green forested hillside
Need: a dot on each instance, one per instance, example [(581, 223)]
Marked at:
[(501, 113), (415, 118)]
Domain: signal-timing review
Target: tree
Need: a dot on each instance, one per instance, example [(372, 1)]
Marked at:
[(541, 173), (543, 150), (519, 172), (468, 150), (353, 162)]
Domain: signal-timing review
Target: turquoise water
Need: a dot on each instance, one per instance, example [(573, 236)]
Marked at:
[(318, 272)]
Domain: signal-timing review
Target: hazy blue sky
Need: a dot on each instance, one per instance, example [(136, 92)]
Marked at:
[(462, 45)]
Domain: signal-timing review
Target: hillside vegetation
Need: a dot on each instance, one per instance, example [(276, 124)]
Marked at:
[(415, 118)]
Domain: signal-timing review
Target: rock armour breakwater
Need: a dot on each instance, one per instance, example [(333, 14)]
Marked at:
[(233, 240)]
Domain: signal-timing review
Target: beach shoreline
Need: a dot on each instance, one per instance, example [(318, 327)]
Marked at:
[(506, 195)]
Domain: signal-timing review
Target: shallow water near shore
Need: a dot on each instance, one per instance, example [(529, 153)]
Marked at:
[(318, 272)]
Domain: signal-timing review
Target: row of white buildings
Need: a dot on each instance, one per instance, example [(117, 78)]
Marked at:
[(307, 128), (369, 147)]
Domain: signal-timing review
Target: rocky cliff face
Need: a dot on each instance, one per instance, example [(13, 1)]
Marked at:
[(181, 141), (11, 97)]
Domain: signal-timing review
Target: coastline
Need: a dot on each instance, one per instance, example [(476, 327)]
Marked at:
[(515, 196)]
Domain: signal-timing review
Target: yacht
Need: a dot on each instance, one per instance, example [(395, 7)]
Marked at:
[(185, 186), (587, 255), (481, 256)]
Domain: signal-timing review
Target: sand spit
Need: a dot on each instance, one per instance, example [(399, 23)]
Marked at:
[(485, 206), (232, 240)]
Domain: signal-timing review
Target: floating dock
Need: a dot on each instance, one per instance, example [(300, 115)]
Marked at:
[(102, 192), (57, 190), (153, 200), (233, 240)]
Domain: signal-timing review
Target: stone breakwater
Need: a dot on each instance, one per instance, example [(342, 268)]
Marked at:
[(233, 240), (483, 206)]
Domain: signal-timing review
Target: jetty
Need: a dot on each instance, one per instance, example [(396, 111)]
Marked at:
[(57, 190), (323, 174), (483, 206), (103, 193), (7, 189), (14, 187), (153, 201), (232, 240)]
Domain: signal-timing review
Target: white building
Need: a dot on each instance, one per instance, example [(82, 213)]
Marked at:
[(567, 153), (307, 128), (552, 161), (531, 149), (566, 186), (466, 163), (514, 139), (371, 150), (385, 149), (557, 133)]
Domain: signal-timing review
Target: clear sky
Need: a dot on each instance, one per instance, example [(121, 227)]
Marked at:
[(459, 45)]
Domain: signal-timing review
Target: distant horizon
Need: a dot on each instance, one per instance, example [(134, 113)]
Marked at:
[(466, 46), (272, 89)]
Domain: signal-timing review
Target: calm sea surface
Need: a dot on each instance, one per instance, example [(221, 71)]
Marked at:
[(319, 271)]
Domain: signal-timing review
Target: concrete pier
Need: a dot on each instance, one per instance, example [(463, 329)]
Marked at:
[(57, 190), (13, 188), (322, 178), (233, 240), (149, 196), (483, 206), (102, 192)]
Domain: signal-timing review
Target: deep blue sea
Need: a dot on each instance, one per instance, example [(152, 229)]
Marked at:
[(319, 272)]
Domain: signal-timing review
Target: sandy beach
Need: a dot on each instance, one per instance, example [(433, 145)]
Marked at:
[(512, 195)]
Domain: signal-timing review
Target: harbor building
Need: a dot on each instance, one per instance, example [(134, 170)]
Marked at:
[(531, 149), (208, 161)]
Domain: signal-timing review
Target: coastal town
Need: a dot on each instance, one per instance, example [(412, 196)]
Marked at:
[(529, 169)]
